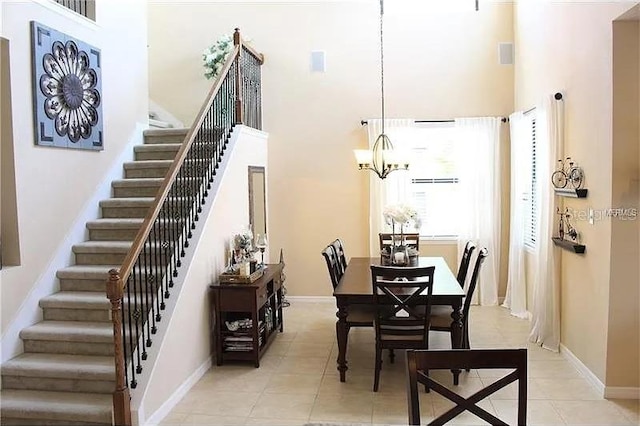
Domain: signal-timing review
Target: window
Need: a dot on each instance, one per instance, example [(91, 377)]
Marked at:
[(531, 197), (434, 179)]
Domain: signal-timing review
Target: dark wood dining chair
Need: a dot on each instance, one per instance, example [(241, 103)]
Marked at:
[(338, 247), (463, 269), (402, 298), (411, 239), (358, 315), (419, 362), (441, 315)]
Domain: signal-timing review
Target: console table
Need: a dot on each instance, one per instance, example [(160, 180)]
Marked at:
[(247, 316)]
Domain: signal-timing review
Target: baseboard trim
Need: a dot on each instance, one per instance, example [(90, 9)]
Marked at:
[(308, 299), (176, 396), (588, 374), (613, 392)]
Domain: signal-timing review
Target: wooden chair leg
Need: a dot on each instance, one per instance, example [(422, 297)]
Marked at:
[(465, 343), (378, 367), (392, 356)]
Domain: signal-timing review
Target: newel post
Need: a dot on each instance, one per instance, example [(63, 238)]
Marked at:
[(237, 41), (121, 397)]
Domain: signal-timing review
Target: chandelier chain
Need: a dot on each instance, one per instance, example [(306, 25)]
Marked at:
[(382, 61)]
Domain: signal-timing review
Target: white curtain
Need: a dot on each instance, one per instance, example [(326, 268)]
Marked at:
[(520, 129), (479, 171), (395, 187), (545, 329)]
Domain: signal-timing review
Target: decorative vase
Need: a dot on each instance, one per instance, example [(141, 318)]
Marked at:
[(399, 255)]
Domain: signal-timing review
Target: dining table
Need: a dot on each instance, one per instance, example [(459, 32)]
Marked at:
[(356, 288)]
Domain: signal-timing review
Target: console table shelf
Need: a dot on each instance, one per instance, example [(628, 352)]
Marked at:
[(259, 304), (568, 245), (571, 192)]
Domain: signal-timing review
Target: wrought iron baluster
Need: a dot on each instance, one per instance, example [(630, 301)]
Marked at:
[(148, 295), (150, 276)]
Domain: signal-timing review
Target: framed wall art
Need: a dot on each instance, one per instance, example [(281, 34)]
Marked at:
[(67, 84)]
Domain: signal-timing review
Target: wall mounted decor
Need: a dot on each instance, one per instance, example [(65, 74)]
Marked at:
[(67, 87), (568, 179), (568, 237)]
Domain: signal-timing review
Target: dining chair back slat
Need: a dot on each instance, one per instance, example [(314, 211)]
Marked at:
[(338, 248), (463, 269), (419, 362), (441, 318), (331, 259)]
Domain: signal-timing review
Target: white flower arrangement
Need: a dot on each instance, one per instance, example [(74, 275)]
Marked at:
[(244, 241), (401, 214), (215, 56)]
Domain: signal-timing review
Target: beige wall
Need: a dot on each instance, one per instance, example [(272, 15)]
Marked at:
[(574, 55), (53, 185), (441, 61), (623, 339), (187, 345)]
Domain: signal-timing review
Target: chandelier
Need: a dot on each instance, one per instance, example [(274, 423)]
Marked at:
[(382, 159)]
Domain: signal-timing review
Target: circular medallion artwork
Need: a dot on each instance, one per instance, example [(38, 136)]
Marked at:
[(67, 90), (69, 86)]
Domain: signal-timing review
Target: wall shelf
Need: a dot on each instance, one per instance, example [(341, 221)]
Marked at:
[(568, 245), (571, 192)]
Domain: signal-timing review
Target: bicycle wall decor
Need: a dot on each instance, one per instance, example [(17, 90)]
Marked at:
[(566, 229), (567, 173), (568, 179)]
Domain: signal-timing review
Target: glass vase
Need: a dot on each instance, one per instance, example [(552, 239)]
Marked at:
[(399, 255)]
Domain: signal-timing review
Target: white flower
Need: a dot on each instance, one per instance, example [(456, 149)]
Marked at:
[(215, 55), (401, 214)]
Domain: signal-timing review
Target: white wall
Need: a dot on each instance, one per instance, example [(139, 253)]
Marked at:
[(187, 347), (53, 185), (441, 62)]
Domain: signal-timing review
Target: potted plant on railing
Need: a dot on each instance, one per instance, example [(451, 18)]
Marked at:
[(401, 215)]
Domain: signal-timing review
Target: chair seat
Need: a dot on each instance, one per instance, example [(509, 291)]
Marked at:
[(441, 317), (361, 315), (396, 337)]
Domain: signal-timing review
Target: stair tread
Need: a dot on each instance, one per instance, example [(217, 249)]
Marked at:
[(76, 299), (86, 271), (70, 331), (107, 246), (70, 406), (136, 201), (157, 147), (88, 367), (102, 247), (167, 132), (115, 223), (147, 164), (137, 182)]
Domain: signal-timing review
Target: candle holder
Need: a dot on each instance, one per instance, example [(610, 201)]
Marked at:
[(261, 244)]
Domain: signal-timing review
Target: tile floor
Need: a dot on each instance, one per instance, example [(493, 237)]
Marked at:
[(297, 382)]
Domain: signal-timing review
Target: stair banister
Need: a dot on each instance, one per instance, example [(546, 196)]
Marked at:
[(205, 149)]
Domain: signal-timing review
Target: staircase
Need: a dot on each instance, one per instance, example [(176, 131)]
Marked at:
[(66, 375)]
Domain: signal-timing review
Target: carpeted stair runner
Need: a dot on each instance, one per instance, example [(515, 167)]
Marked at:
[(66, 374)]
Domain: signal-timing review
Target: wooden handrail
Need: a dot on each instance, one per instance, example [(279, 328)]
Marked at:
[(118, 278), (145, 229)]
